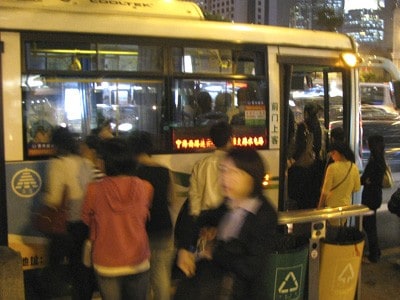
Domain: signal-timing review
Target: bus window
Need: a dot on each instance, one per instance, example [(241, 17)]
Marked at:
[(309, 87), (219, 61), (78, 55), (201, 103), (84, 104)]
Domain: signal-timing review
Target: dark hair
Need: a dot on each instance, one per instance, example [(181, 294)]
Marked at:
[(248, 160), (204, 101), (343, 149), (117, 157), (376, 145), (64, 141), (93, 141), (140, 142), (221, 134), (337, 134)]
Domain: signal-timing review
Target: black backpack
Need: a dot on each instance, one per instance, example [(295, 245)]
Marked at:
[(394, 203)]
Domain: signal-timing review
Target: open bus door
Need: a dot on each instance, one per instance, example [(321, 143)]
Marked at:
[(325, 86), (3, 198)]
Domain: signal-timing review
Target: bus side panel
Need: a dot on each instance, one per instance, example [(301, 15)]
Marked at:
[(11, 73), (25, 183)]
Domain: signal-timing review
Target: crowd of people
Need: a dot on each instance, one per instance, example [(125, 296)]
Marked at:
[(322, 172), (119, 202)]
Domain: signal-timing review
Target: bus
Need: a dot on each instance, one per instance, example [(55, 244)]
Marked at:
[(146, 65)]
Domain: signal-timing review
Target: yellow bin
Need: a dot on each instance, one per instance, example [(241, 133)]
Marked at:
[(339, 269)]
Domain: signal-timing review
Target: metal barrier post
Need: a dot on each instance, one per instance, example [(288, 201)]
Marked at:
[(318, 230)]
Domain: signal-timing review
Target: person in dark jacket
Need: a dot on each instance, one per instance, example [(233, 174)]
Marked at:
[(371, 179), (159, 226), (234, 238)]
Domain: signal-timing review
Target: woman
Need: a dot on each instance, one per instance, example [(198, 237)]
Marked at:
[(68, 175), (230, 265), (116, 209), (371, 179), (341, 180)]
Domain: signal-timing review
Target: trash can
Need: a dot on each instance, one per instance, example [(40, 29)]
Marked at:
[(340, 260), (287, 268)]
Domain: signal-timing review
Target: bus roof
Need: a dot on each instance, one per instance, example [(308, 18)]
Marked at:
[(108, 17), (150, 8)]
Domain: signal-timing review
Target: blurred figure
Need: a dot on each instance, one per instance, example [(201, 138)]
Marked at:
[(159, 226), (237, 235), (341, 180), (223, 102), (116, 209), (371, 179), (105, 130), (68, 175), (90, 149), (206, 115), (204, 189), (243, 98)]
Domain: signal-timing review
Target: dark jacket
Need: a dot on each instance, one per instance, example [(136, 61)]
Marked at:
[(160, 220), (371, 179), (244, 257)]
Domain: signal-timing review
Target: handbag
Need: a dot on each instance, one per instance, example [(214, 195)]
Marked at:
[(394, 203), (387, 181), (51, 220)]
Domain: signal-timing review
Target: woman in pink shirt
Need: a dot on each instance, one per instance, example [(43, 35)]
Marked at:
[(116, 209)]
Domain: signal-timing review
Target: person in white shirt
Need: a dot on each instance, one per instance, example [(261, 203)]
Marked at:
[(204, 190)]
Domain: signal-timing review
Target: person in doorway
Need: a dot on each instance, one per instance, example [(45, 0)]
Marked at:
[(306, 172), (371, 179)]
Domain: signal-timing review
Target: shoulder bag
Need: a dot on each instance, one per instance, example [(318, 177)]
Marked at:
[(50, 220), (394, 203), (387, 181)]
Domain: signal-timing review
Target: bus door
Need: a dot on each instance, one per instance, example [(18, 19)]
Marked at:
[(3, 202), (328, 89)]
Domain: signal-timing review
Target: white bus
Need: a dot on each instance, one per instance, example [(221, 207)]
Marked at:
[(144, 65)]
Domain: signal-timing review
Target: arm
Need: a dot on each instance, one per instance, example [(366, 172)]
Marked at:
[(87, 211), (327, 185), (196, 188), (54, 183)]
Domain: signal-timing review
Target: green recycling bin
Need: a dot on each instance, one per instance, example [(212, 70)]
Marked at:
[(340, 261), (287, 269)]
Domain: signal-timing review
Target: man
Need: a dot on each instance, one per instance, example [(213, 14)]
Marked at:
[(204, 193), (204, 188)]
